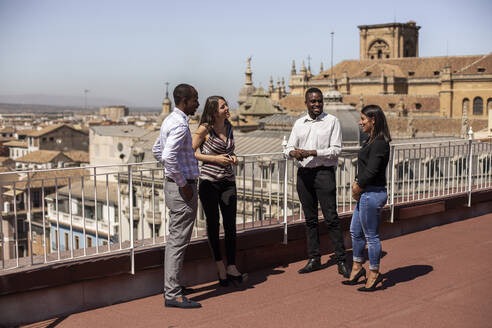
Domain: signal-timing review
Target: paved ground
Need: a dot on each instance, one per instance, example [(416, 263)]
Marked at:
[(441, 277)]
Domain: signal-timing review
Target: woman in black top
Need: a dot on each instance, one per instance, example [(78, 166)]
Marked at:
[(369, 189)]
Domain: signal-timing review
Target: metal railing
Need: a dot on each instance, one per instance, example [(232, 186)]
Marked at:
[(64, 214)]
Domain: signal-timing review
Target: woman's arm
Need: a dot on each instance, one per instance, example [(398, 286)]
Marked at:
[(198, 139)]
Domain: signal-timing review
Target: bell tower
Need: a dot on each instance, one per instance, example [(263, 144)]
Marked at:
[(389, 41)]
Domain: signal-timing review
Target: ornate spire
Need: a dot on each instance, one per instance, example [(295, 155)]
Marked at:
[(249, 73), (303, 68), (282, 88), (293, 70), (321, 68), (270, 87)]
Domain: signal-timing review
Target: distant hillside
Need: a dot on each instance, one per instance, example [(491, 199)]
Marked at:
[(35, 108)]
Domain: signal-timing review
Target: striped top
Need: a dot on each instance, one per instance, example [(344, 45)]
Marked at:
[(214, 145)]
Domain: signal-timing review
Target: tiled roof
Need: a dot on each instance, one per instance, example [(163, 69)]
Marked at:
[(52, 178), (7, 130), (422, 67), (51, 128), (76, 189), (482, 65), (293, 103), (16, 143), (120, 131), (41, 156), (78, 156)]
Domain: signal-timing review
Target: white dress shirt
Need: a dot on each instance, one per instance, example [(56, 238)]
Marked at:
[(322, 134), (173, 148)]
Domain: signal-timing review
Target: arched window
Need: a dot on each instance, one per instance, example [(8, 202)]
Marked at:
[(489, 104), (380, 54), (466, 104), (477, 106)]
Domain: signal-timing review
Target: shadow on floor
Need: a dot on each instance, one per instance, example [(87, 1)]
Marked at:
[(404, 274), (214, 289)]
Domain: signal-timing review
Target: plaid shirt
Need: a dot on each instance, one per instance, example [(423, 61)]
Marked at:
[(173, 148)]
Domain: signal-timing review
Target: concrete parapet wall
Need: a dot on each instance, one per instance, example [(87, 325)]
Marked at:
[(60, 289)]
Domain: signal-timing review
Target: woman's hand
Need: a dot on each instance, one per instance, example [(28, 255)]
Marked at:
[(223, 160), (234, 159), (356, 191)]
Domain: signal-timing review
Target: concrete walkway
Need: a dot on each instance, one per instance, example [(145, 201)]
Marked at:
[(441, 277)]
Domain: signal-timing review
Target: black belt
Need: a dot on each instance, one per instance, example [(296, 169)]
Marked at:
[(188, 181)]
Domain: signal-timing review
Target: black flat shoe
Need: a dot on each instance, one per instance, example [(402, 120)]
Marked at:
[(355, 281), (373, 287), (312, 265), (342, 269), (223, 282), (235, 279)]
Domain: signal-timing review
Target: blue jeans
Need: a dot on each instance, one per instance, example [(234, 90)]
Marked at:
[(365, 225)]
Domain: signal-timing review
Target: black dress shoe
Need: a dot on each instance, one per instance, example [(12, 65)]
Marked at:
[(312, 265), (342, 269), (355, 281), (184, 304)]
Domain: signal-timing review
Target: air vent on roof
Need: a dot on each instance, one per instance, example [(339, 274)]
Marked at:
[(481, 69), (418, 106), (368, 73), (411, 73), (436, 73)]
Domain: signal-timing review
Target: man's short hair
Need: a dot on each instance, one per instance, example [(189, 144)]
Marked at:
[(182, 92), (312, 90)]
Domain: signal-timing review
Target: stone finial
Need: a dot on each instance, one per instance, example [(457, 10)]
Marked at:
[(293, 70), (303, 68)]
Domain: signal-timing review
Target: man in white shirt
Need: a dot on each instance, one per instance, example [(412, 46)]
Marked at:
[(173, 149), (315, 143)]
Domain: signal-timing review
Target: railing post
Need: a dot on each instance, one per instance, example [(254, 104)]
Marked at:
[(130, 199), (470, 164), (284, 146), (392, 192)]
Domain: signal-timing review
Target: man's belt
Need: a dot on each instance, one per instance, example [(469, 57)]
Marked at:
[(188, 181)]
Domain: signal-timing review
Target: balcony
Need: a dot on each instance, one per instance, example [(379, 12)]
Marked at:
[(428, 185)]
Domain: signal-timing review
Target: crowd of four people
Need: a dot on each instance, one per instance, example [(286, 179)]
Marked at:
[(315, 143)]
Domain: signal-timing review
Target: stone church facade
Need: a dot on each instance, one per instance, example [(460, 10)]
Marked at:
[(391, 74)]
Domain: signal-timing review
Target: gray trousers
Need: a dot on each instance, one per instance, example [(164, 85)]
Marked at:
[(182, 216)]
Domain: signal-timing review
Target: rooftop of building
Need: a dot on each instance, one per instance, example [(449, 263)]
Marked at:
[(119, 131), (409, 67)]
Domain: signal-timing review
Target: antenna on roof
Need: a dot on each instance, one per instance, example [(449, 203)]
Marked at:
[(332, 36)]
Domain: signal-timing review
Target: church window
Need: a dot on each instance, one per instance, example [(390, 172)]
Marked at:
[(410, 73), (380, 54), (368, 73), (477, 106), (436, 73), (465, 105)]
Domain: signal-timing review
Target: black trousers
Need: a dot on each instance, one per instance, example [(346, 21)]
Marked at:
[(214, 195), (313, 185)]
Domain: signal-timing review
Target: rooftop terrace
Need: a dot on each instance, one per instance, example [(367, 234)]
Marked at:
[(438, 277), (70, 254)]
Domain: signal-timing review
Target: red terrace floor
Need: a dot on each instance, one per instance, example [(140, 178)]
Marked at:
[(441, 277)]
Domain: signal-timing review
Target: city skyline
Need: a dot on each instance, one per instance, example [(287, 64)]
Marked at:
[(126, 51)]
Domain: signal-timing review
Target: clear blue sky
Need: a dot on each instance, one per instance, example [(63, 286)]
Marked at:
[(127, 50)]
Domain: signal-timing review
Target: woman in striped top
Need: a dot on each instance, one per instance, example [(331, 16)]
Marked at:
[(217, 187)]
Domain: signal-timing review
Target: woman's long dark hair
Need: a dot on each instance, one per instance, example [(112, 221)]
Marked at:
[(211, 107), (381, 128)]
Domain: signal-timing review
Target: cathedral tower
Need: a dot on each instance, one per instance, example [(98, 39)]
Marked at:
[(388, 41)]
